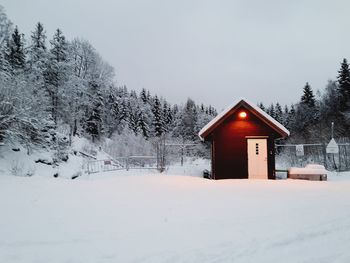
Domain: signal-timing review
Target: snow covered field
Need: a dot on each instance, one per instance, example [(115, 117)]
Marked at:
[(163, 218)]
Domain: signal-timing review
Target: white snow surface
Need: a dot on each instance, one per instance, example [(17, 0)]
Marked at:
[(306, 170), (254, 106), (120, 217), (19, 163)]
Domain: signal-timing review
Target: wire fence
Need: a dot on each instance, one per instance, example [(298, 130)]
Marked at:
[(166, 154), (121, 163), (288, 155)]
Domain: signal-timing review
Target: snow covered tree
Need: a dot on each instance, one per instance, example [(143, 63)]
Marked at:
[(5, 27), (56, 73), (308, 97), (271, 111), (158, 125), (167, 116), (278, 113), (59, 46), (344, 86), (142, 125), (188, 121), (261, 106), (81, 62), (94, 124), (37, 47), (36, 59), (5, 33), (132, 120), (143, 95), (14, 51)]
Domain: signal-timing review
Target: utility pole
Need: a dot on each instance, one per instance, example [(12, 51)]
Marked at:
[(332, 132)]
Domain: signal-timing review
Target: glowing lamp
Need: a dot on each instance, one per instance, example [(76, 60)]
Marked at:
[(242, 114)]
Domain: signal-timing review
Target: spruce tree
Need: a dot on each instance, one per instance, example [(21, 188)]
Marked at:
[(167, 116), (56, 72), (344, 86), (143, 96), (278, 113), (14, 50), (37, 56), (38, 37), (271, 111), (123, 111), (286, 118), (202, 108), (142, 124), (132, 120), (157, 117), (189, 116), (94, 124), (37, 48), (308, 97), (59, 46), (261, 106)]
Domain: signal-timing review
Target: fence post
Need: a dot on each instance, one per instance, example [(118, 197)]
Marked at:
[(324, 152), (346, 157), (127, 163)]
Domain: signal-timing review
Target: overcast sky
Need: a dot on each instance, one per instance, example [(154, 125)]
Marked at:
[(211, 51)]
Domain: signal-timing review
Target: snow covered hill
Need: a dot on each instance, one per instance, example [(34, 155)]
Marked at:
[(15, 160), (159, 218)]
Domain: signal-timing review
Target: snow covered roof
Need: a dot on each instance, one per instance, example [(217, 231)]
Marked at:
[(207, 129)]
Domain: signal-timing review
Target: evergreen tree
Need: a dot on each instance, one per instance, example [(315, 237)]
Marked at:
[(286, 119), (143, 96), (124, 113), (132, 120), (59, 46), (142, 124), (271, 111), (38, 39), (278, 113), (344, 86), (94, 124), (202, 110), (158, 126), (14, 50), (37, 55), (308, 97), (261, 106), (189, 116), (167, 116), (56, 73)]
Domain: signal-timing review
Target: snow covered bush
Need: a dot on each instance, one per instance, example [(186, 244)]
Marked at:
[(18, 168), (128, 143)]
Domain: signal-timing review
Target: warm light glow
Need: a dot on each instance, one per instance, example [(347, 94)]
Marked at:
[(242, 115)]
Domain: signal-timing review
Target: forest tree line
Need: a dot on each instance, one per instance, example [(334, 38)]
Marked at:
[(311, 118), (52, 90)]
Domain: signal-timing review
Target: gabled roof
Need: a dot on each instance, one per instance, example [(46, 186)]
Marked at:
[(257, 111)]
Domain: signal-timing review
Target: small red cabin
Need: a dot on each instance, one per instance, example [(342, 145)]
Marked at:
[(243, 142)]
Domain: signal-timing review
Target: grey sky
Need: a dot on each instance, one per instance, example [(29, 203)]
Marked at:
[(211, 51)]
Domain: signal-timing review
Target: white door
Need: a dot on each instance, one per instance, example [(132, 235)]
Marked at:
[(257, 159)]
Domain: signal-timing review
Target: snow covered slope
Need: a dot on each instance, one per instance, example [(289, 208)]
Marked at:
[(159, 218), (15, 160)]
